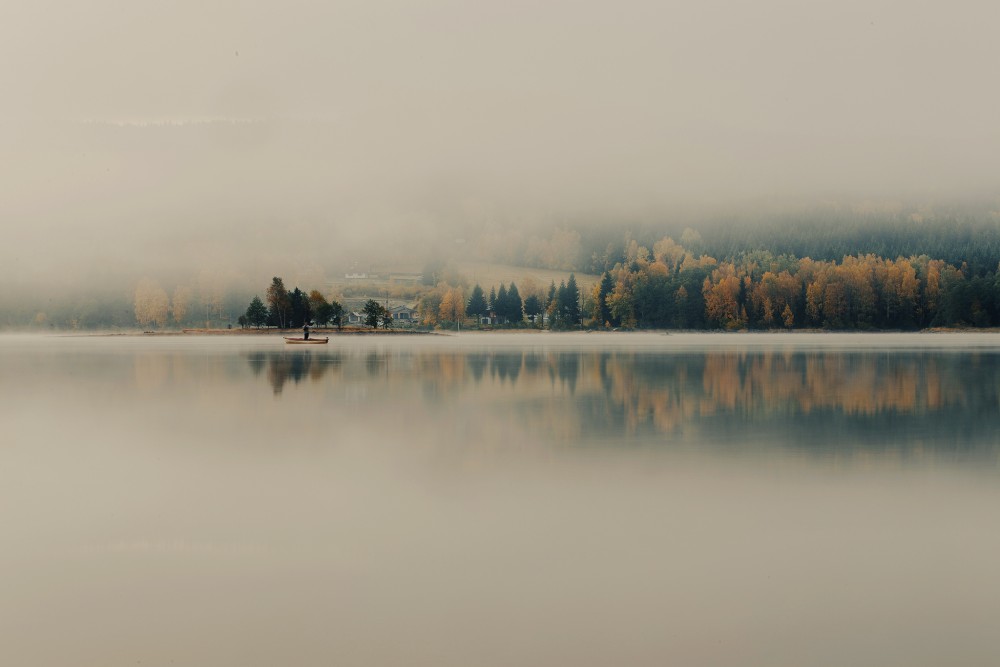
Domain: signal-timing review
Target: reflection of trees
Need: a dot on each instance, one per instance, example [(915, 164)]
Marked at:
[(737, 396), (477, 362), (507, 366), (568, 369), (257, 362), (817, 397), (376, 363), (291, 365), (440, 374)]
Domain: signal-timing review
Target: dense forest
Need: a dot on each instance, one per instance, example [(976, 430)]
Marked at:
[(670, 287), (829, 271)]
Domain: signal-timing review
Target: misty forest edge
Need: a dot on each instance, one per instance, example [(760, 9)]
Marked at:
[(770, 278)]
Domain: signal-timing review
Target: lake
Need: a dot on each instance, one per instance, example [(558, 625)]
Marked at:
[(500, 499)]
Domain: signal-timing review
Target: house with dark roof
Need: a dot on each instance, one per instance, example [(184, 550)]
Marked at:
[(404, 314)]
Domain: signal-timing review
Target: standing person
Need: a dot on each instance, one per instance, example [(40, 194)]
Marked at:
[(305, 331)]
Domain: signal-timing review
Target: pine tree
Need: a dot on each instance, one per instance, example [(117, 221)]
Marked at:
[(256, 313), (515, 309), (374, 312), (298, 309), (533, 307), (477, 303), (607, 287), (501, 305), (336, 314), (556, 307), (570, 303)]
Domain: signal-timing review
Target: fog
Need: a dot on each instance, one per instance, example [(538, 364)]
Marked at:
[(144, 137)]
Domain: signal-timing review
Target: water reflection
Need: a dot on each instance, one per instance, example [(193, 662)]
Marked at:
[(685, 506), (806, 399), (294, 367)]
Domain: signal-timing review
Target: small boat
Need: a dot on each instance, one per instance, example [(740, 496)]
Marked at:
[(306, 341)]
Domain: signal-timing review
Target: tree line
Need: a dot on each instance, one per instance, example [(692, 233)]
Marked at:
[(558, 308), (762, 282), (672, 287), (669, 286), (291, 309), (850, 256)]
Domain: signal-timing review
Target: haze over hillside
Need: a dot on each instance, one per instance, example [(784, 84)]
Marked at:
[(146, 138)]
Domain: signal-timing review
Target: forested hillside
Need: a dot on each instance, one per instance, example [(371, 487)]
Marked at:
[(671, 287)]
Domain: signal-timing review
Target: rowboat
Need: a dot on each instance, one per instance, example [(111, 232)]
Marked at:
[(306, 341)]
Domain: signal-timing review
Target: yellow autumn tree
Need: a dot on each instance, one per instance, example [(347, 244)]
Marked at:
[(429, 305), (772, 295), (151, 303), (669, 253), (859, 275), (899, 292), (452, 307), (835, 305), (181, 303), (722, 291), (788, 317)]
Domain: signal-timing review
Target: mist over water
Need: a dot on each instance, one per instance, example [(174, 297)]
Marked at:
[(500, 499)]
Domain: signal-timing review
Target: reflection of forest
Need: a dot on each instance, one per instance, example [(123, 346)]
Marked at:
[(818, 397), (808, 397)]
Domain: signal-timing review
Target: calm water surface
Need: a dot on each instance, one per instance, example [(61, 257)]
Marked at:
[(531, 499)]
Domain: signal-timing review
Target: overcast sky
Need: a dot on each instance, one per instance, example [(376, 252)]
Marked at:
[(355, 119)]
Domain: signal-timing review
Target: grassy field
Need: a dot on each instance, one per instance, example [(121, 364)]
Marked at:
[(354, 293), (489, 275)]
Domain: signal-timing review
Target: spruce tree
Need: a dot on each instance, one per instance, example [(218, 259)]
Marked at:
[(501, 305), (557, 307), (477, 305), (336, 314), (571, 303), (256, 313), (298, 308), (603, 312), (515, 309), (533, 307)]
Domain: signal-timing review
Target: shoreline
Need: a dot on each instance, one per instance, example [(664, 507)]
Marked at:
[(346, 331), (357, 331)]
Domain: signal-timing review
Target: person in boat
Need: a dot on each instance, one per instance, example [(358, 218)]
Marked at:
[(305, 331)]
